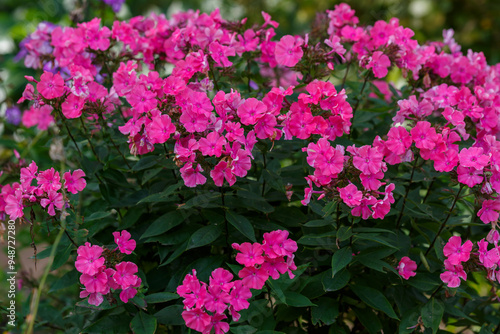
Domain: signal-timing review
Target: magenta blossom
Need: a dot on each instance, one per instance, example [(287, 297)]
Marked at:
[(125, 244), (407, 267), (456, 252)]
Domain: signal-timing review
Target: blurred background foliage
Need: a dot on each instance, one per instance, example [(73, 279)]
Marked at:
[(475, 22)]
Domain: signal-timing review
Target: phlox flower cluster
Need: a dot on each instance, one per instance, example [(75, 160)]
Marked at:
[(461, 258), (205, 304), (47, 192), (103, 270)]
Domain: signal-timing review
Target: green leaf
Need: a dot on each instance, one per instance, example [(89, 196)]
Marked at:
[(341, 259), (97, 216), (374, 298), (170, 315), (163, 196), (67, 280), (324, 239), (145, 163), (344, 233), (241, 224), (160, 297), (336, 283), (165, 223), (374, 237), (368, 319), (432, 314), (204, 236), (61, 258), (297, 300), (143, 323), (319, 223), (113, 324), (326, 311)]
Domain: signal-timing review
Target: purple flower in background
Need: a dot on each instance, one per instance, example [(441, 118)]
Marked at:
[(116, 5), (13, 115), (36, 45)]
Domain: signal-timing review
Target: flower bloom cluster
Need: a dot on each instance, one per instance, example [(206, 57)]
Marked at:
[(205, 304), (47, 191), (103, 271), (406, 267), (462, 257)]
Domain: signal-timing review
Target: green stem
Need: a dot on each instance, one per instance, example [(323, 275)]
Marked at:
[(445, 221), (36, 299), (406, 194)]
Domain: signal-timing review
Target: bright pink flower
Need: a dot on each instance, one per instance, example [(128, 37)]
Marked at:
[(239, 296), (125, 244), (446, 160), (456, 252), (489, 258), (368, 159), (253, 278), (276, 244), (125, 274), (221, 277), (14, 205), (453, 274), (95, 299), (398, 140), (50, 85), (379, 63), (28, 174), (250, 254), (489, 211), (407, 267), (424, 135), (95, 283), (288, 51), (54, 199), (473, 157), (275, 267), (73, 105), (219, 53), (196, 319), (222, 170), (212, 144), (127, 294), (49, 180), (350, 195), (251, 110), (216, 299), (469, 176), (89, 260), (160, 129), (142, 99), (76, 182), (192, 176), (216, 323)]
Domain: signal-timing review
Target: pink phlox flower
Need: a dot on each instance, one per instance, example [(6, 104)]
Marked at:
[(222, 171), (219, 53), (28, 174), (76, 182), (469, 176), (54, 199), (95, 283), (39, 116), (197, 319), (142, 99), (407, 267), (216, 323), (350, 195), (72, 106), (489, 211), (372, 181), (456, 252), (250, 254), (212, 144), (160, 129), (398, 140), (239, 296), (254, 278), (424, 135), (451, 277), (50, 85), (95, 299), (276, 244), (216, 299), (251, 110), (493, 237), (489, 258), (473, 157), (221, 277), (367, 159), (125, 244), (275, 266), (288, 51), (125, 274), (89, 260), (268, 21), (446, 160), (363, 208), (379, 64), (128, 293), (192, 176), (49, 180)]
